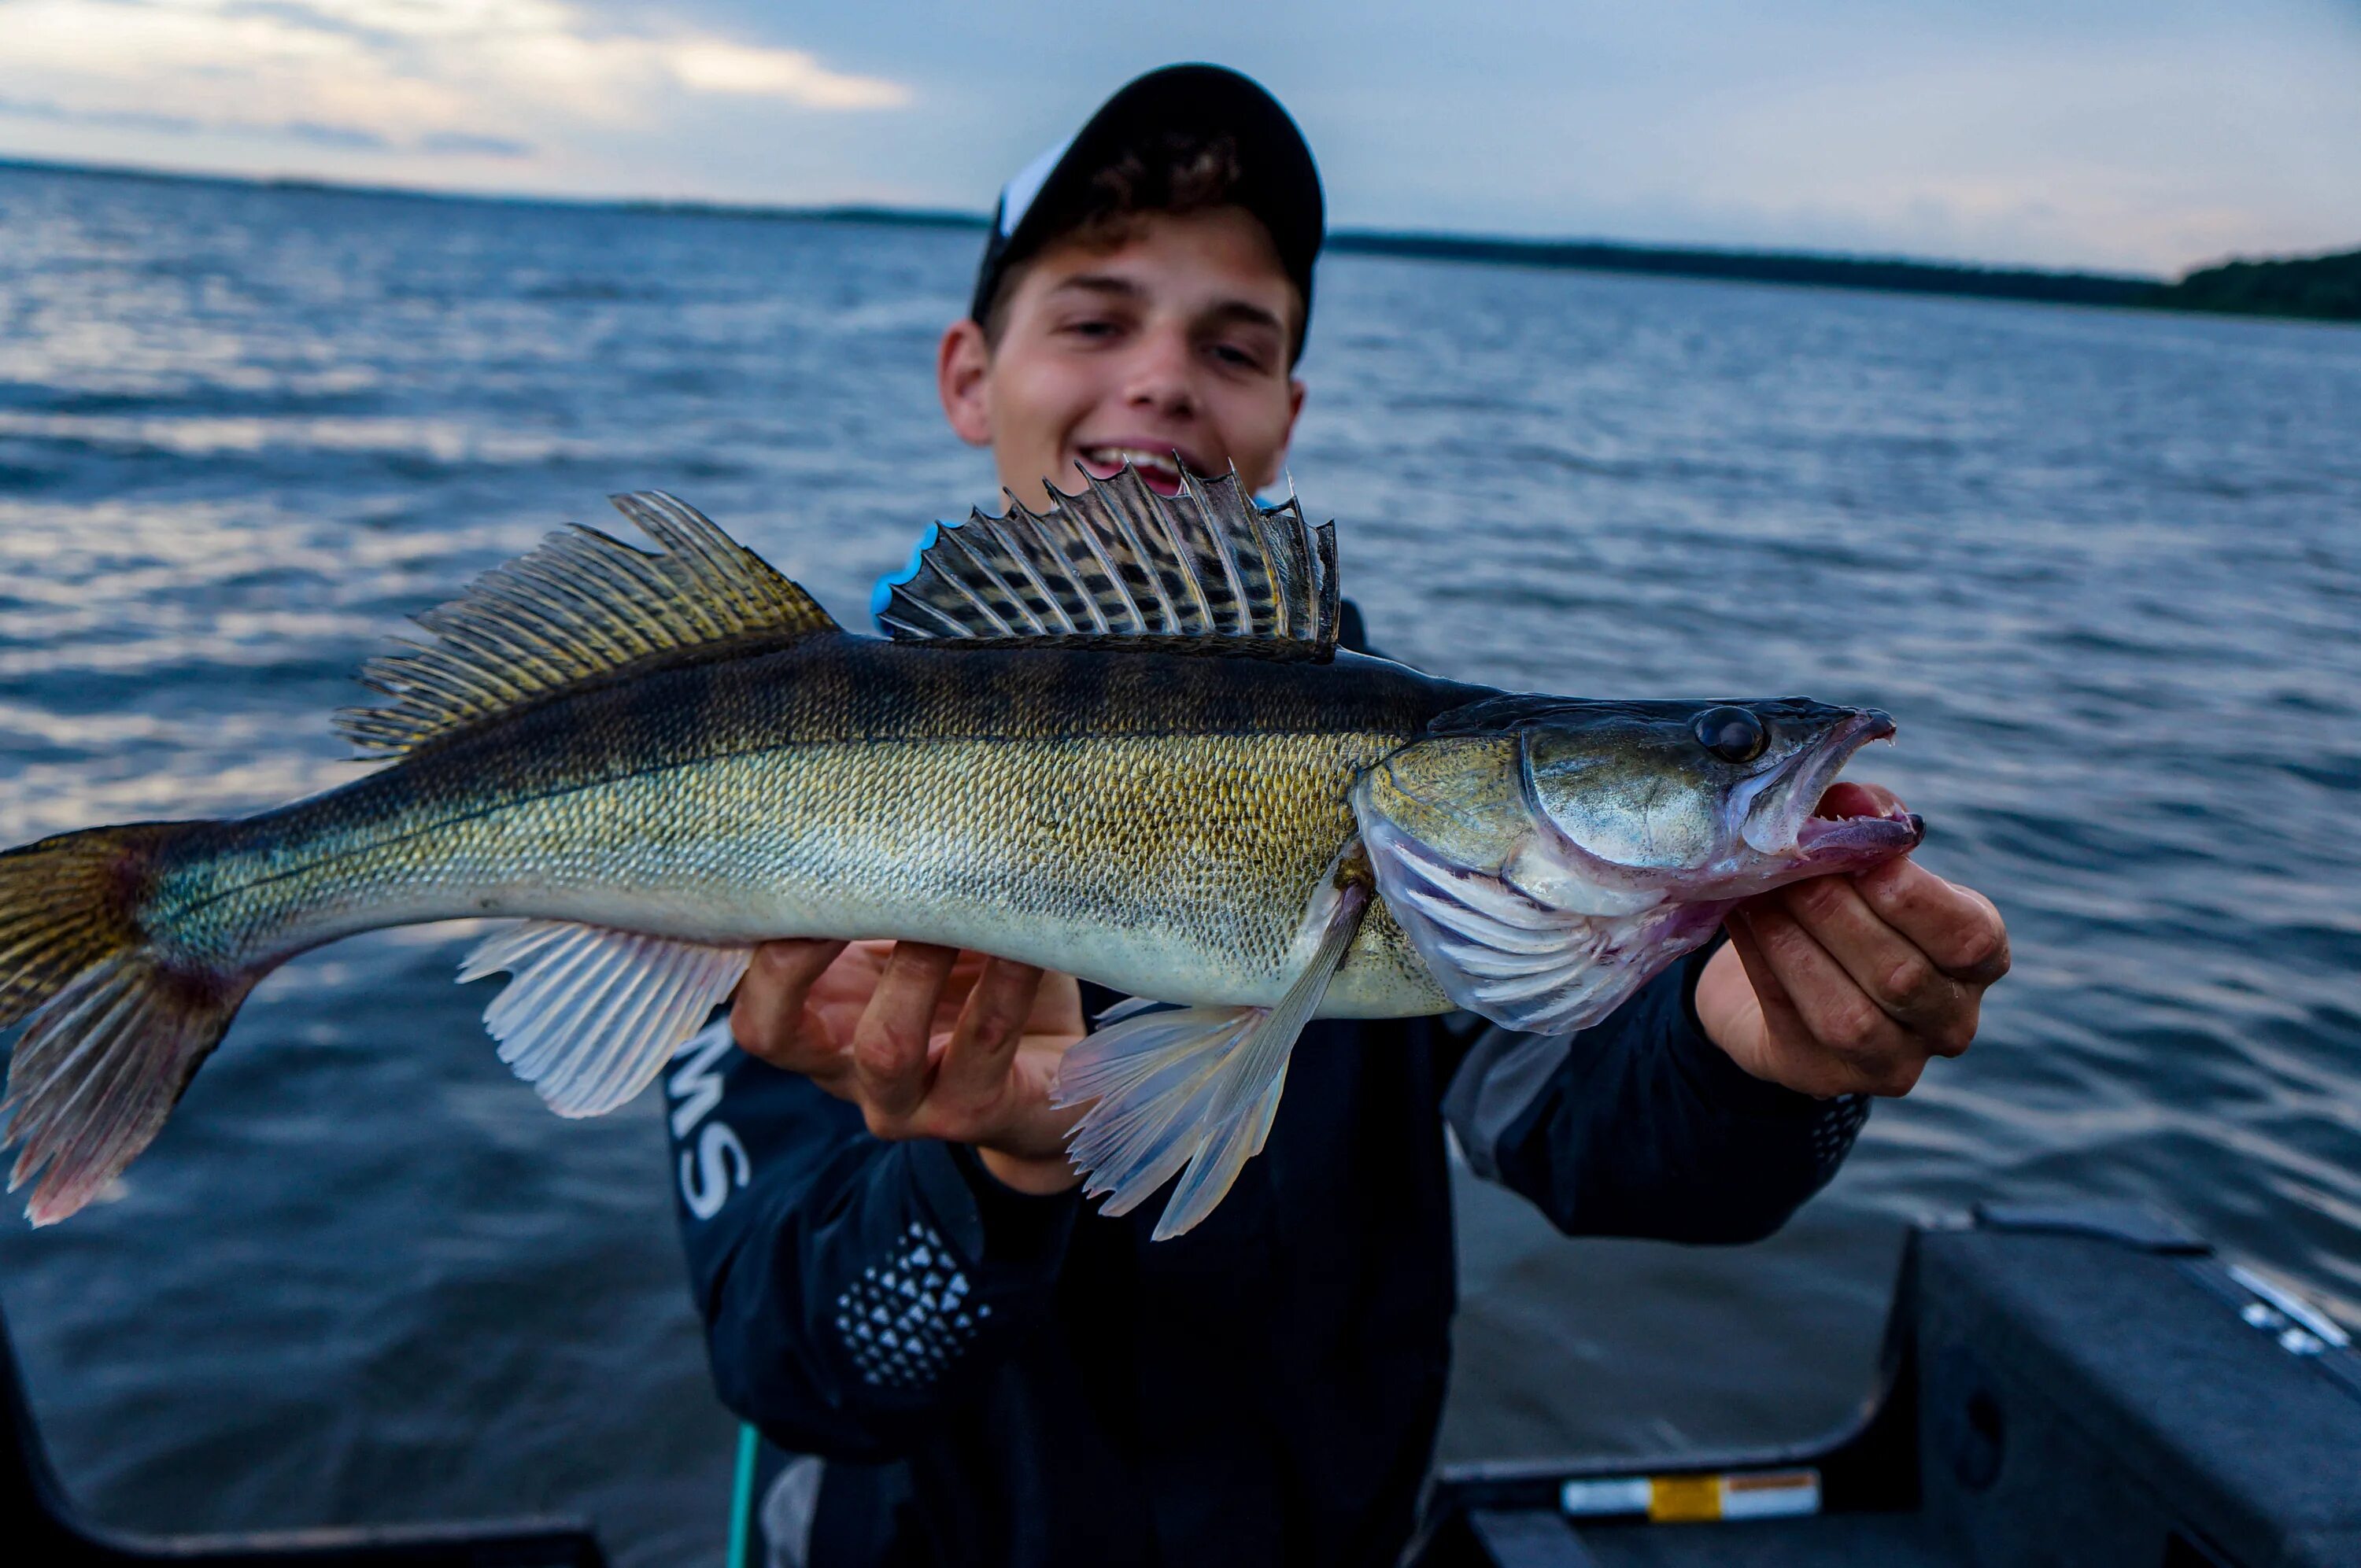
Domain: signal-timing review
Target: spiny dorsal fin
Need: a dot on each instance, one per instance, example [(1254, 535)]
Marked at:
[(581, 604), (1120, 560)]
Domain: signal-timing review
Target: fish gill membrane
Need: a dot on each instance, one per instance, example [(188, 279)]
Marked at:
[(1115, 737)]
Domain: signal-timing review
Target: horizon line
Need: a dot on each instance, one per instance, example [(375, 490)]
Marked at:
[(1438, 244)]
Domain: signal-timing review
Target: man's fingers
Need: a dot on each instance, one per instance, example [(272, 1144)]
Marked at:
[(1789, 1054), (1861, 979), (974, 1066), (1890, 969), (889, 1043), (1778, 1007), (1870, 1052), (767, 1013), (1956, 927), (1058, 1008)]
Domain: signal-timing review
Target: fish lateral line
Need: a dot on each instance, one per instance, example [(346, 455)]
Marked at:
[(327, 859)]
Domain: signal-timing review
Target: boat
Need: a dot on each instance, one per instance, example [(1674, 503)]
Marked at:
[(2088, 1385), (2073, 1383)]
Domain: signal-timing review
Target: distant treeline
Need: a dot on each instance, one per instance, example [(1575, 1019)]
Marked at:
[(2326, 287), (900, 218), (1766, 267)]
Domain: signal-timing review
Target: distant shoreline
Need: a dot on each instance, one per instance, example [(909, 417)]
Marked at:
[(2324, 288)]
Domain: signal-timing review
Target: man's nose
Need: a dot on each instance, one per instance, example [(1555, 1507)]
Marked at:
[(1160, 376)]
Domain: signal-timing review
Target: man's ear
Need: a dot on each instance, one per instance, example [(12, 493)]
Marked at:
[(959, 366)]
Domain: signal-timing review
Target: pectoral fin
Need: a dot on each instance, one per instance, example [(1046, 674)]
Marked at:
[(1496, 950), (1198, 1086)]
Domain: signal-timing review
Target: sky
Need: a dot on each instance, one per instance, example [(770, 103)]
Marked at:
[(2133, 135)]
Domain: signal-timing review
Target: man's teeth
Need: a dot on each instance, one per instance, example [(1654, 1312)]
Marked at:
[(1114, 457)]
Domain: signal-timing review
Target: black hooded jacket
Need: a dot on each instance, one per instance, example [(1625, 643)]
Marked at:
[(999, 1379)]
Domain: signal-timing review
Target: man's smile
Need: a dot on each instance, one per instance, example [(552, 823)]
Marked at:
[(1153, 459)]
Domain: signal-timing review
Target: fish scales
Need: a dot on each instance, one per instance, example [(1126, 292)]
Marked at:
[(655, 760), (1163, 815)]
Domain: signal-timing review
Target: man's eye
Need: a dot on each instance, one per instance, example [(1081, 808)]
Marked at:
[(1239, 358), (1093, 327)]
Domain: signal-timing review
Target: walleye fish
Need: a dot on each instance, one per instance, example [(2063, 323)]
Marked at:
[(1115, 738)]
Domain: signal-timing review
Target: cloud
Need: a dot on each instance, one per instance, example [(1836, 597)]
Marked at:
[(457, 79), (467, 144), (311, 132), (2141, 134), (332, 135), (718, 67), (132, 119)]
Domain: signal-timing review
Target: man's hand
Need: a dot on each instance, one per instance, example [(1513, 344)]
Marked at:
[(929, 1042), (1846, 984)]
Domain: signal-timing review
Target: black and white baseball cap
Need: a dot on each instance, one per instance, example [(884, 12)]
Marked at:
[(1278, 182)]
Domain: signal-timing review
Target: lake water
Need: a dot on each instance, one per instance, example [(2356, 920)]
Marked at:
[(2105, 569)]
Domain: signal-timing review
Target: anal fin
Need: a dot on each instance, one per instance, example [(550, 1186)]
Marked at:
[(591, 1014), (1199, 1086)]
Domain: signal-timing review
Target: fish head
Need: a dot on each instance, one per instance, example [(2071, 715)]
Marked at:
[(1703, 799), (1547, 855)]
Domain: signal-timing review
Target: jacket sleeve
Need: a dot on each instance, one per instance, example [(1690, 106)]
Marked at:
[(1641, 1126), (850, 1287)]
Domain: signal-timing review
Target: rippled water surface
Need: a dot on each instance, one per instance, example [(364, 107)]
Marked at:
[(2105, 568)]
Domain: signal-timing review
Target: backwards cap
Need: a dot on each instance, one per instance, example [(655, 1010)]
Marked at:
[(1278, 182)]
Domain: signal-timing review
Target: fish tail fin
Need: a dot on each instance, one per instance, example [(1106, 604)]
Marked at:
[(113, 1029)]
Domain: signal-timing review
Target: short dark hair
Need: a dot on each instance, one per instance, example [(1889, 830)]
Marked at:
[(1175, 171)]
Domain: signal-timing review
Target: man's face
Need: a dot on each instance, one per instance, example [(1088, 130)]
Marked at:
[(1175, 341)]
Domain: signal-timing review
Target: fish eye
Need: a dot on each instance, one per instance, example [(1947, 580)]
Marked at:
[(1731, 733)]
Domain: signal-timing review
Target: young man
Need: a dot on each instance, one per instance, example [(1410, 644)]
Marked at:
[(896, 1271)]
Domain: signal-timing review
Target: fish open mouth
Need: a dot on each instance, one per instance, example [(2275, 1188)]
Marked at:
[(1828, 825), (1849, 821)]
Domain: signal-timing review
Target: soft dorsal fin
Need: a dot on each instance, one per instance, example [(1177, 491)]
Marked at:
[(1118, 560), (581, 604)]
